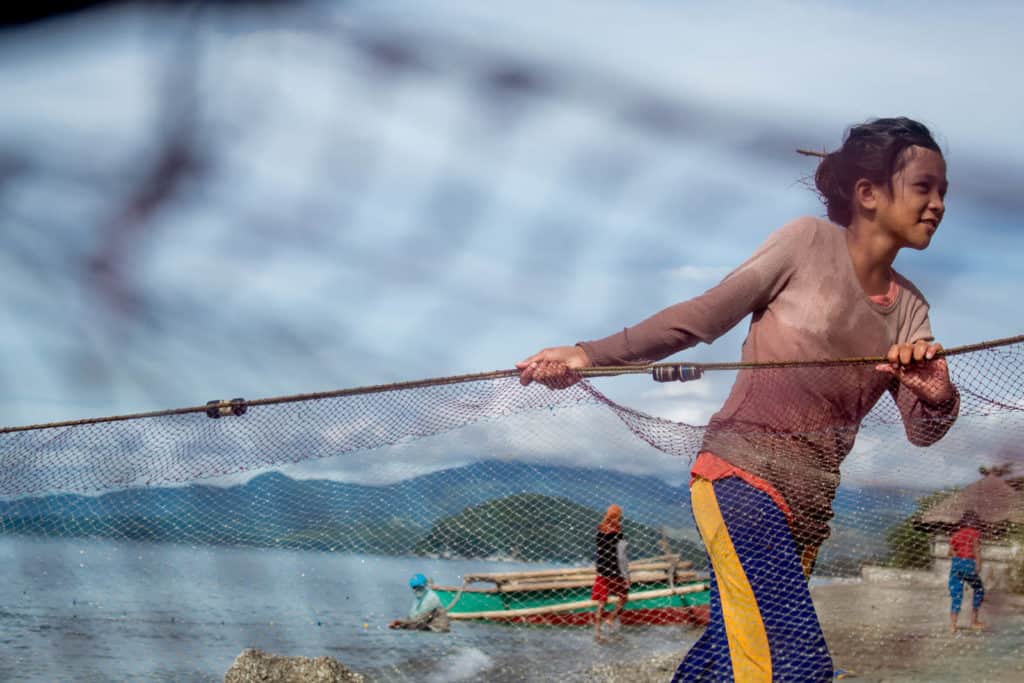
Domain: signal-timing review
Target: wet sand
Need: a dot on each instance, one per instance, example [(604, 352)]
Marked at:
[(892, 632)]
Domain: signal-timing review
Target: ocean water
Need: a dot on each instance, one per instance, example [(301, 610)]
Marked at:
[(102, 610)]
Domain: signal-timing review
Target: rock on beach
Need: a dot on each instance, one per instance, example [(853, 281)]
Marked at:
[(256, 666)]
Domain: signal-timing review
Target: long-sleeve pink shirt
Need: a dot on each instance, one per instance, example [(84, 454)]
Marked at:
[(792, 427)]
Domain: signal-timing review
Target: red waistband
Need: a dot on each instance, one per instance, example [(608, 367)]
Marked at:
[(709, 466)]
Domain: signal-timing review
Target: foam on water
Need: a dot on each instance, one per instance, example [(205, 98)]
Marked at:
[(465, 664)]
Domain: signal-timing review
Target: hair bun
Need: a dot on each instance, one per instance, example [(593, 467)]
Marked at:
[(873, 151)]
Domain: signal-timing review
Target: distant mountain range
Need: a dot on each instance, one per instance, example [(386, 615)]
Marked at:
[(275, 510)]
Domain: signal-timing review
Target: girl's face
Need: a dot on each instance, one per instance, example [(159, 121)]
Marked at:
[(912, 213)]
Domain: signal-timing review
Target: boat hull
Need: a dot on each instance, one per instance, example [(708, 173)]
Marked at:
[(687, 608), (694, 615)]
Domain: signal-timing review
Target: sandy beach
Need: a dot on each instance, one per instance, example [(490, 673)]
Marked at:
[(893, 632)]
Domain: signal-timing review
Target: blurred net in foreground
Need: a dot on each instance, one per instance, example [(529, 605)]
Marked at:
[(490, 470), (410, 175)]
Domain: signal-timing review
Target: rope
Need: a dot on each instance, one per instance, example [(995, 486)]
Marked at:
[(451, 605), (864, 360), (604, 371)]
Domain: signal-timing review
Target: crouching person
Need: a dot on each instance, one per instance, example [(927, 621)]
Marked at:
[(427, 613)]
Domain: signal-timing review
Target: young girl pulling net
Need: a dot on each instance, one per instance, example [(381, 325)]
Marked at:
[(763, 483)]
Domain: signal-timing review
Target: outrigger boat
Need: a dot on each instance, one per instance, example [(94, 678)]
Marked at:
[(663, 590)]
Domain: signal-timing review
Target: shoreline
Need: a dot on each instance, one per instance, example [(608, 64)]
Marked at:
[(892, 632)]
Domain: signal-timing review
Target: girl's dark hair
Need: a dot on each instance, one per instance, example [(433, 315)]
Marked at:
[(872, 150)]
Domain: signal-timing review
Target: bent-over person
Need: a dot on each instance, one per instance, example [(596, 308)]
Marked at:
[(427, 613)]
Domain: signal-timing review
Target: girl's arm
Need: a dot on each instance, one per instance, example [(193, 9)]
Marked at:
[(928, 401), (751, 287)]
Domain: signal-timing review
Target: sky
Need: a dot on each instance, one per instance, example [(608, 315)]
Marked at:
[(363, 193)]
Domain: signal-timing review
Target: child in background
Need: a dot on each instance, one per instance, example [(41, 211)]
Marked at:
[(965, 565), (612, 568)]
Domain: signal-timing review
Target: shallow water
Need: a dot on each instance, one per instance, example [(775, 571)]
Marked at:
[(100, 610)]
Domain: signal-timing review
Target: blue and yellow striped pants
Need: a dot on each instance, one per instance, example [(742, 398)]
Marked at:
[(763, 625)]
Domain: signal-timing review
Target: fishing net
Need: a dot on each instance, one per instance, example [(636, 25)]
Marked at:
[(508, 532), (161, 545)]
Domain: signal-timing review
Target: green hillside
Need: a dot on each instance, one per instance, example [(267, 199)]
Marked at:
[(539, 528)]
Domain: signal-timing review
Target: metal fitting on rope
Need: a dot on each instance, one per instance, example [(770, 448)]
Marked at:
[(218, 409), (671, 373)]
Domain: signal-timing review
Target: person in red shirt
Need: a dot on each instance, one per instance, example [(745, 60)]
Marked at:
[(965, 551)]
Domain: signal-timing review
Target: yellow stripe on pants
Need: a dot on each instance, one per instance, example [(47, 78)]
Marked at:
[(744, 628)]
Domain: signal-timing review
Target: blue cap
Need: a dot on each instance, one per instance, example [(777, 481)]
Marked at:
[(417, 581)]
